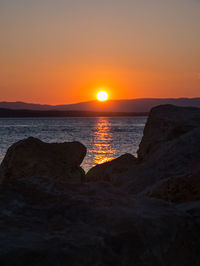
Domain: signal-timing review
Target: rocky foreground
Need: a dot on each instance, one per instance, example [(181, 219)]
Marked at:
[(130, 211)]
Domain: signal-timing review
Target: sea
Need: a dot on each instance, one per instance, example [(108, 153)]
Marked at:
[(106, 138)]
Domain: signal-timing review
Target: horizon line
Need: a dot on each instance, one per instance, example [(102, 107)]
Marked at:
[(142, 98)]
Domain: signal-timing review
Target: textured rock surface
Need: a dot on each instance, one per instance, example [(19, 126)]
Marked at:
[(110, 171), (170, 147), (32, 157), (44, 223), (177, 189), (166, 123), (152, 218)]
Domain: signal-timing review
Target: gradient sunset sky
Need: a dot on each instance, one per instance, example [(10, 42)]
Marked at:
[(63, 51)]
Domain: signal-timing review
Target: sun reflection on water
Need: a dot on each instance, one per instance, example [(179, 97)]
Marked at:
[(102, 146)]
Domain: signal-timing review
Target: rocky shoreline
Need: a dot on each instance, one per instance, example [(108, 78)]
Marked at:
[(138, 211)]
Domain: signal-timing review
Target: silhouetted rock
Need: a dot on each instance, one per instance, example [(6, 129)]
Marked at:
[(109, 171), (93, 224), (170, 147), (166, 123), (177, 189), (151, 218), (31, 157)]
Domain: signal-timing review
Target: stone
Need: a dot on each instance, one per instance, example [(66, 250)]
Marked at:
[(110, 171), (177, 189), (93, 224), (170, 147), (166, 123), (32, 157), (150, 217)]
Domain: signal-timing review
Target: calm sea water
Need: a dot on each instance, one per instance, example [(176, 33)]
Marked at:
[(105, 137)]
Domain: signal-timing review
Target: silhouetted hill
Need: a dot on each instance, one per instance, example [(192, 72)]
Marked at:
[(134, 105), (54, 113)]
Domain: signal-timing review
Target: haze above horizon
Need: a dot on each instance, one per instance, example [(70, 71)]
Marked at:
[(55, 52)]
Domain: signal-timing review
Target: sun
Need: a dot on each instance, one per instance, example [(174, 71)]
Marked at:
[(102, 96)]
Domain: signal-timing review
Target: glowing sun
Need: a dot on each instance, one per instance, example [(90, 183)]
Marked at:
[(102, 96)]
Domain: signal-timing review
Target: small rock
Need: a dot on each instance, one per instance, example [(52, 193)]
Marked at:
[(110, 171)]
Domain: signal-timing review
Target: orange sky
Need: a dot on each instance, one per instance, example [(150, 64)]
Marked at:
[(60, 52)]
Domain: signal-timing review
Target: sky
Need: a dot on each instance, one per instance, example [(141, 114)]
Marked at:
[(64, 51)]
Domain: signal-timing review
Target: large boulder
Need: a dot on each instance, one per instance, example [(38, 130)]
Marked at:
[(32, 157), (170, 147), (93, 224), (166, 123)]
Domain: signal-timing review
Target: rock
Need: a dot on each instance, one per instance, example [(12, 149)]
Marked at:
[(110, 171), (93, 224), (166, 123), (177, 189), (151, 218), (170, 147), (31, 157)]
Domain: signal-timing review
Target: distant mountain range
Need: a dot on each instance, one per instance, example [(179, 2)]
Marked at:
[(53, 113), (134, 105)]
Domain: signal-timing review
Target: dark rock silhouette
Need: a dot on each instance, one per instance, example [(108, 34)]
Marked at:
[(151, 216), (109, 170), (177, 189), (33, 158), (93, 224), (170, 147), (167, 123)]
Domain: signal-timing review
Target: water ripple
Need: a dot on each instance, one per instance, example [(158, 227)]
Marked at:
[(105, 137)]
